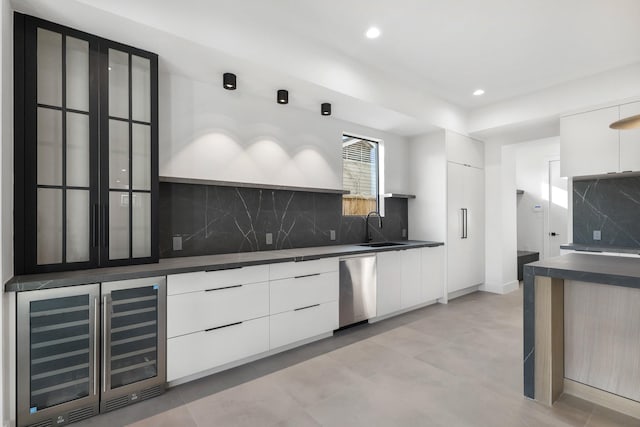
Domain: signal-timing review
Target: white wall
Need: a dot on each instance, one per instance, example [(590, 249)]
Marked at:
[(6, 199), (500, 219), (208, 132), (532, 176)]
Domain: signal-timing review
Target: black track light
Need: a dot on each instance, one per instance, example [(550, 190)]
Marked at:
[(325, 109), (283, 96), (229, 81)]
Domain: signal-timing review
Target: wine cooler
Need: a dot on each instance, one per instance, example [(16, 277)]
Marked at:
[(133, 341), (89, 348)]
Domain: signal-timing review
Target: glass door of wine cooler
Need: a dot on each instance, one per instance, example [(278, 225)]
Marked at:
[(134, 341), (57, 355)]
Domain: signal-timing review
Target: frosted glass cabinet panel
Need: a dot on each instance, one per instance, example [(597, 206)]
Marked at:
[(49, 148), (88, 142), (118, 84), (118, 154), (141, 155), (141, 88), (78, 150), (49, 62), (118, 225), (77, 80)]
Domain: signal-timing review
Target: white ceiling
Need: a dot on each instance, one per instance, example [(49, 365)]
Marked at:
[(446, 47), (419, 75)]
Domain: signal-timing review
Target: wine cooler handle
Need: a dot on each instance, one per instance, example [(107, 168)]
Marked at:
[(105, 339), (96, 335)]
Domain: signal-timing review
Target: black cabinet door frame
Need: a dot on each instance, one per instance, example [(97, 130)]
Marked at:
[(105, 261), (25, 146)]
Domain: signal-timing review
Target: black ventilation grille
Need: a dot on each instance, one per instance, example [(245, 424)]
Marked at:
[(45, 423), (81, 414), (151, 392), (118, 402)]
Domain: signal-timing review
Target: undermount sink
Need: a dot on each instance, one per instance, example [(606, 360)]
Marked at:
[(381, 244)]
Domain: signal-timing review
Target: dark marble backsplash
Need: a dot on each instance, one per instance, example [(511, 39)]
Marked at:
[(212, 219), (611, 205)]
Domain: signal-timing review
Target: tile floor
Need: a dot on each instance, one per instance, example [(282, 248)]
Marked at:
[(452, 365)]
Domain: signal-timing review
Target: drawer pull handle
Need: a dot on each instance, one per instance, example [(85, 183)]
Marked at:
[(306, 275), (224, 326), (309, 306), (220, 289), (222, 269)]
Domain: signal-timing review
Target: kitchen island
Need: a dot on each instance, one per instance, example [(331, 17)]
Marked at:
[(581, 337)]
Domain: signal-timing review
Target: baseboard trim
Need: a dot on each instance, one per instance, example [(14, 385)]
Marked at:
[(602, 398), (463, 292), (403, 311), (501, 289), (246, 360)]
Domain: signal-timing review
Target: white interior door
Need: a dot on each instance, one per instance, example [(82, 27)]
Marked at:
[(558, 210)]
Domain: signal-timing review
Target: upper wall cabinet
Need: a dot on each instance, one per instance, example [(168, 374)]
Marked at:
[(630, 140), (86, 150), (464, 150), (588, 146)]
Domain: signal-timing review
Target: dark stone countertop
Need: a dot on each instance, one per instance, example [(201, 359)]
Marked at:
[(199, 263), (594, 248), (611, 270), (527, 253)]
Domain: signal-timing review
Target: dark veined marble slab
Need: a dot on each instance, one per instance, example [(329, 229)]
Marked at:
[(197, 263)]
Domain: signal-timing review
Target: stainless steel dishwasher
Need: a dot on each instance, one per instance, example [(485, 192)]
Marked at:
[(357, 289)]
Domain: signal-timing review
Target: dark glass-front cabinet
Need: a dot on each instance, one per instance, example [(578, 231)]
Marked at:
[(86, 150)]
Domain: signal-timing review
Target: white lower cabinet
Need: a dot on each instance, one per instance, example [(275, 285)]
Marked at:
[(410, 291), (196, 311), (408, 278), (389, 288), (221, 317), (432, 276), (303, 323), (302, 291), (204, 350)]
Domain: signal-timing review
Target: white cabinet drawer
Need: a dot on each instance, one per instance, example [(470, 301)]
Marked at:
[(292, 326), (193, 353), (285, 270), (203, 280), (302, 291), (197, 311)]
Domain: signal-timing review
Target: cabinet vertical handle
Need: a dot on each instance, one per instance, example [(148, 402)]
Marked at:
[(464, 224), (96, 337), (105, 230), (105, 302), (95, 229)]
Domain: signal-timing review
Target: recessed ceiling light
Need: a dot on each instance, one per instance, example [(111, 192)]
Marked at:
[(478, 92), (373, 33)]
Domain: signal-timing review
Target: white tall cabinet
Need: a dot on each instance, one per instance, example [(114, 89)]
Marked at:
[(465, 226), (447, 176)]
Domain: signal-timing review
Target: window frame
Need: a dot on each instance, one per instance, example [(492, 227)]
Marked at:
[(378, 144)]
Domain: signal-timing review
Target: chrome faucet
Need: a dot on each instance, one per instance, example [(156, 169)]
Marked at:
[(369, 238)]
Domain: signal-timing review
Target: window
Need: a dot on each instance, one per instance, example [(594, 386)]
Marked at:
[(359, 175)]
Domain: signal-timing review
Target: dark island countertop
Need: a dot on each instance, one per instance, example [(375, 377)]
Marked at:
[(611, 270), (198, 263), (595, 248)]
